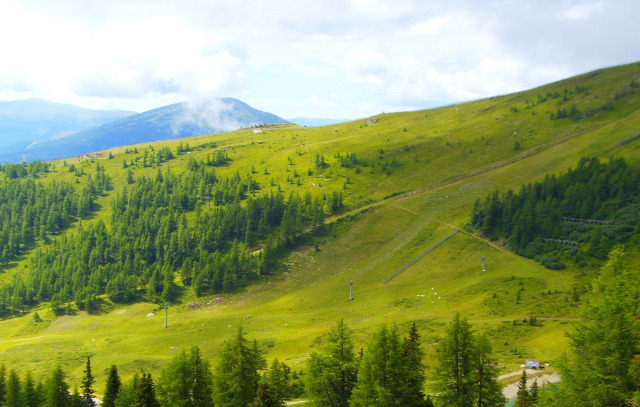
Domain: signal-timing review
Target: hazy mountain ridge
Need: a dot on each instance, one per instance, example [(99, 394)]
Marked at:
[(23, 122), (178, 120)]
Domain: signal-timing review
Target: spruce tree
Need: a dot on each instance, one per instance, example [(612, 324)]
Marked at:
[(414, 370), (523, 391), (112, 388), (332, 372), (87, 385), (533, 393)]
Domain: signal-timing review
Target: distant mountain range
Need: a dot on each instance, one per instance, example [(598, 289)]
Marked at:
[(117, 128), (316, 121), (23, 122)]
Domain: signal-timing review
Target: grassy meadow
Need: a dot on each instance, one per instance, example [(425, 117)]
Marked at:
[(420, 174)]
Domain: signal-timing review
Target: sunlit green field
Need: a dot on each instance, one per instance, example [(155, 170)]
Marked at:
[(444, 160)]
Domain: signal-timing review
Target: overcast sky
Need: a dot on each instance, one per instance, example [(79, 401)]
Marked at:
[(320, 58)]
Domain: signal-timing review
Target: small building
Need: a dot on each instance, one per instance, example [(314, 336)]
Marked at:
[(372, 121), (532, 364)]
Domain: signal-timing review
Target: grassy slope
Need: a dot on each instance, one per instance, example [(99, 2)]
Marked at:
[(449, 157)]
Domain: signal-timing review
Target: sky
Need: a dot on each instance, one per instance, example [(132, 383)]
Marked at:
[(342, 59)]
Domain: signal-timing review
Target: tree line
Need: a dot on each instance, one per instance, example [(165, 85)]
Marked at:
[(531, 221), (150, 240), (600, 368), (390, 372), (24, 170)]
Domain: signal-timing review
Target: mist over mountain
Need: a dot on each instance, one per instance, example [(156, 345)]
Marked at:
[(178, 120), (23, 122)]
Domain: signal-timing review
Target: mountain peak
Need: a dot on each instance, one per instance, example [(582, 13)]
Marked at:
[(178, 120)]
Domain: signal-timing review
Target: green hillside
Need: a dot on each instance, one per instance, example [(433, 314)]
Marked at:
[(407, 181)]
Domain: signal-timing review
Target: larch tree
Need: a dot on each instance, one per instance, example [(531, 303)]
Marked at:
[(380, 375), (57, 390), (236, 377), (30, 396), (465, 372), (13, 396), (127, 394), (455, 364), (3, 384), (488, 389), (601, 367), (277, 380), (186, 381), (332, 372)]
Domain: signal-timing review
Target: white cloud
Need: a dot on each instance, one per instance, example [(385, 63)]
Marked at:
[(367, 66), (376, 54), (428, 28), (206, 113)]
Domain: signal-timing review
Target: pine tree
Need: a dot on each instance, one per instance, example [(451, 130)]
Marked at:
[(523, 391), (13, 396), (332, 373), (112, 388), (145, 394), (57, 390), (87, 385)]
